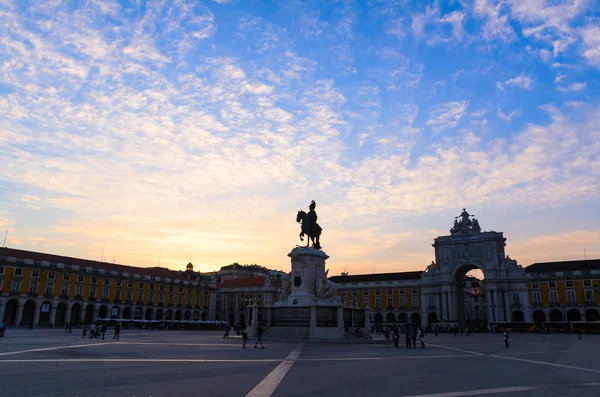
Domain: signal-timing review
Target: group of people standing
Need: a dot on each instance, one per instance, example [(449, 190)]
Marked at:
[(244, 333), (99, 331), (410, 336)]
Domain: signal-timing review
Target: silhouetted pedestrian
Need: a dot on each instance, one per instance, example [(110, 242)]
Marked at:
[(117, 331), (259, 334), (244, 338)]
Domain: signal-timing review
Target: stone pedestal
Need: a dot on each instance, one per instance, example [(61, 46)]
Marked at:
[(311, 303), (308, 266)]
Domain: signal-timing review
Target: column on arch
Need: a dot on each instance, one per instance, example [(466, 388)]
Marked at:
[(491, 309), (2, 309), (506, 307), (38, 313), (453, 305), (525, 305), (19, 318), (53, 311)]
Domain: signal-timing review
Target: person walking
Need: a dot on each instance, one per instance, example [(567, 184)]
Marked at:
[(396, 336), (66, 327), (422, 338), (103, 330), (84, 331), (407, 338), (2, 328), (117, 331), (244, 338), (505, 338), (259, 334)]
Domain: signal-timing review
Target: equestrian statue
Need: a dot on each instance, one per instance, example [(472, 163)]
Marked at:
[(310, 227)]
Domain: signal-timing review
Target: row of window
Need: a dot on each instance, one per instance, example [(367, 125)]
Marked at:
[(94, 280), (569, 284), (571, 298), (401, 291), (33, 289), (390, 302)]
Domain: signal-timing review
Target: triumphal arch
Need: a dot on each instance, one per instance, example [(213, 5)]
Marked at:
[(504, 295)]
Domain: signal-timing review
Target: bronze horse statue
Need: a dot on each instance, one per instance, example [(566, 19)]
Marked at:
[(310, 228)]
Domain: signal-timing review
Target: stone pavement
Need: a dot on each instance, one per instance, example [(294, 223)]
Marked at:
[(195, 363)]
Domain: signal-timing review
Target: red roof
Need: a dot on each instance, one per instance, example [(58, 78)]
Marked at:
[(245, 282), (82, 263)]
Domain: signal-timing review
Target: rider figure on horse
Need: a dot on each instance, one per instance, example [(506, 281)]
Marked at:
[(313, 226)]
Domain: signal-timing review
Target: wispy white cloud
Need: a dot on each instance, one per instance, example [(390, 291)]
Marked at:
[(572, 87), (496, 20), (521, 81), (509, 116), (591, 42), (447, 115)]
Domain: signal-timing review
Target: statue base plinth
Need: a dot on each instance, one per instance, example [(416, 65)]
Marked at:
[(311, 305)]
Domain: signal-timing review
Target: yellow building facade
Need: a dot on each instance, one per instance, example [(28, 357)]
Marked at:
[(43, 289)]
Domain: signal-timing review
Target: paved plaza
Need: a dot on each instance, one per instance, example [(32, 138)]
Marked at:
[(185, 363)]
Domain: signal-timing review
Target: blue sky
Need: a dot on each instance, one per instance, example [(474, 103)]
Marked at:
[(188, 129)]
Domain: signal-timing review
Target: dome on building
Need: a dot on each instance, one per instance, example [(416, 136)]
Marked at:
[(189, 267)]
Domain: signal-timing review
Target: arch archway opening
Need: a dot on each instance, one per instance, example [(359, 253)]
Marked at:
[(556, 316), (518, 317), (148, 315), (28, 313), (390, 318), (432, 318), (61, 310), (573, 315), (403, 318), (75, 314), (89, 314), (103, 311), (10, 312), (592, 315), (45, 312), (539, 317), (415, 318), (470, 297)]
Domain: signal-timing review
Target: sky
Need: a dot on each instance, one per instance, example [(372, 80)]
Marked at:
[(160, 132)]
